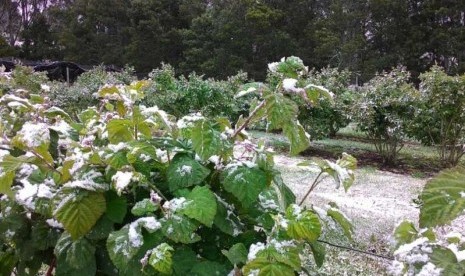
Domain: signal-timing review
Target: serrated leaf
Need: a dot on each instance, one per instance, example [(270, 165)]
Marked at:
[(443, 198), (144, 207), (285, 195), (267, 267), (405, 233), (80, 212), (75, 257), (237, 254), (302, 225), (120, 247), (280, 111), (6, 180), (298, 138), (180, 229), (226, 221), (245, 184), (161, 258), (339, 218), (184, 259), (201, 206), (120, 130), (11, 163), (206, 141), (116, 207), (185, 172), (319, 253)]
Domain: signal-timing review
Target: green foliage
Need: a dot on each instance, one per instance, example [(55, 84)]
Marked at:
[(384, 109), (441, 202), (125, 189), (439, 118), (326, 118)]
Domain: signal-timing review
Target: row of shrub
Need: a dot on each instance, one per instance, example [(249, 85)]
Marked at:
[(388, 108)]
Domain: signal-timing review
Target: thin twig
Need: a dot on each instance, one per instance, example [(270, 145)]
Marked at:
[(314, 184), (51, 267), (356, 250), (247, 121)]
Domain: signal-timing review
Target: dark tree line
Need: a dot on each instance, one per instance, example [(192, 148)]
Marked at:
[(219, 37)]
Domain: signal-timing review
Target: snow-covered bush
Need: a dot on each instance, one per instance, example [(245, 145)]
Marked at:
[(439, 116), (428, 251), (126, 189), (383, 109), (326, 118)]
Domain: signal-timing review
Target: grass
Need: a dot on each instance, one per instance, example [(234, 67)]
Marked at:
[(414, 159)]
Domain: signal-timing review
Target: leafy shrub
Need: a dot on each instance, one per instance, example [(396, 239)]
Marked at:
[(182, 96), (126, 190), (25, 78), (439, 117), (80, 94), (384, 109), (326, 118), (426, 251)]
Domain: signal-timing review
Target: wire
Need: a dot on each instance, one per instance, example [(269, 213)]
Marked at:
[(356, 250)]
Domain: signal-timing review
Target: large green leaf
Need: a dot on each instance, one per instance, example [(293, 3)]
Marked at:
[(161, 258), (185, 172), (11, 163), (405, 233), (120, 130), (206, 140), (268, 267), (144, 207), (302, 224), (75, 257), (79, 212), (183, 261), (8, 261), (245, 183), (297, 136), (180, 229), (120, 248), (285, 195), (226, 220), (280, 111), (319, 252), (443, 198), (447, 260), (339, 218), (201, 206)]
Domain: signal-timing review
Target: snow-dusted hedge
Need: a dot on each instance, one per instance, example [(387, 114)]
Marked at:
[(126, 189)]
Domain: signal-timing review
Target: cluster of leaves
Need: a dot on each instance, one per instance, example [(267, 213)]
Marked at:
[(384, 108), (439, 118), (423, 251), (182, 96), (22, 78), (80, 95), (125, 189), (326, 118)]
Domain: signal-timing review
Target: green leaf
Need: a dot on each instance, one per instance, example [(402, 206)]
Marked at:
[(226, 221), (405, 233), (120, 130), (443, 198), (446, 259), (144, 207), (267, 267), (208, 268), (8, 261), (10, 163), (56, 111), (285, 195), (280, 111), (201, 206), (319, 253), (79, 212), (245, 183), (298, 138), (6, 180), (102, 228), (206, 141), (237, 254), (185, 172), (302, 225), (180, 229), (116, 207), (342, 221), (161, 258), (120, 247), (75, 257)]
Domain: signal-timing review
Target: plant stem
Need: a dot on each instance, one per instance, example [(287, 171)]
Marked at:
[(51, 267), (247, 121), (355, 250), (314, 184)]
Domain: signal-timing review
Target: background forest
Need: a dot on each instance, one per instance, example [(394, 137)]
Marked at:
[(217, 38)]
